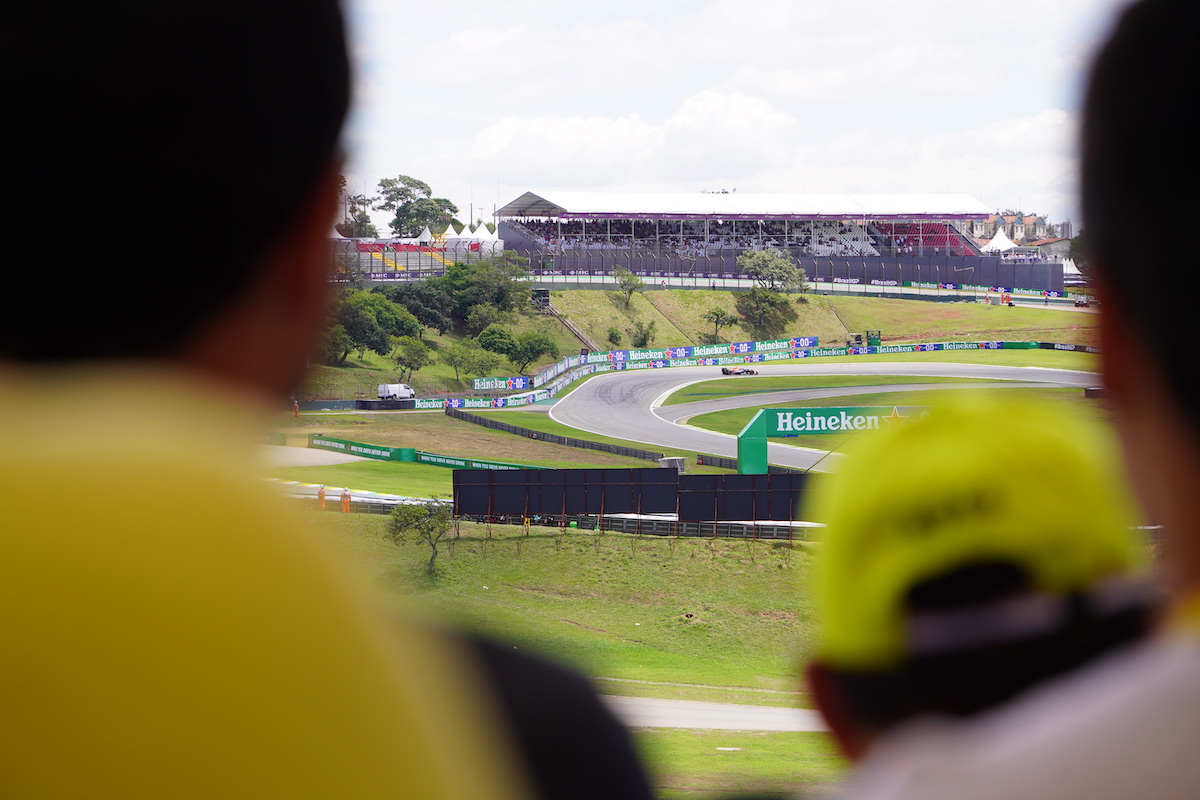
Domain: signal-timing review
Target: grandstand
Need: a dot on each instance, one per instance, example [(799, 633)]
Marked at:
[(854, 239), (869, 240)]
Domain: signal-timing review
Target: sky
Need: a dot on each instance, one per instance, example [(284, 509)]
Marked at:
[(487, 100)]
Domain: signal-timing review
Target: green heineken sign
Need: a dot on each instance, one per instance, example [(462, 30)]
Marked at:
[(776, 422)]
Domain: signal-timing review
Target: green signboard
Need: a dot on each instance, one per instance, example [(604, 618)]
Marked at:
[(777, 422)]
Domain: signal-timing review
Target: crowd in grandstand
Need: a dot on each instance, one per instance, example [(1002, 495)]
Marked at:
[(696, 238)]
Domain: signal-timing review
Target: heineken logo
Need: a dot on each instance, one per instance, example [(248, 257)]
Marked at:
[(795, 421)]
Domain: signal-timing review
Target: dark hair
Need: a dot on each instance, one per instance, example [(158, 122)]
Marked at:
[(1140, 161), (962, 681), (180, 138)]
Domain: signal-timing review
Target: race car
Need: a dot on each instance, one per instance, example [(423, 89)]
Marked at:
[(737, 371)]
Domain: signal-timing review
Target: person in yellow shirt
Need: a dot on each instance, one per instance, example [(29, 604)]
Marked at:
[(168, 627)]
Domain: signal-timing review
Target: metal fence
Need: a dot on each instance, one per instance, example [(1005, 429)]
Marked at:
[(732, 463), (652, 526)]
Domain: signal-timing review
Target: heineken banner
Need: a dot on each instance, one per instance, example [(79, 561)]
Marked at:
[(776, 422), (796, 421)]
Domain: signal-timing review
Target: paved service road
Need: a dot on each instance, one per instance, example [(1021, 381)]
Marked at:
[(625, 404), (642, 712)]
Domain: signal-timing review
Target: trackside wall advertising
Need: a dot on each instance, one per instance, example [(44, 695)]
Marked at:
[(551, 380), (384, 453)]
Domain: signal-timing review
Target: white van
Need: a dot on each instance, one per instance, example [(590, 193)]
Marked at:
[(395, 391)]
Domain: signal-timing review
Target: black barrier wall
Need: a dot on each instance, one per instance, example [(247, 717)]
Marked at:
[(565, 491), (741, 497), (547, 492)]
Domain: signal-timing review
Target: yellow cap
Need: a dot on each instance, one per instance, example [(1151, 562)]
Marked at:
[(980, 478)]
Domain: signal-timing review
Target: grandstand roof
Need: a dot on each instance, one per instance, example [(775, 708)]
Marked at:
[(635, 205)]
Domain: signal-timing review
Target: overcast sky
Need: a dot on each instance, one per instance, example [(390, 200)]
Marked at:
[(487, 100)]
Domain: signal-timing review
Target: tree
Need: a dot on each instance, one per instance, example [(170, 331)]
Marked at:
[(766, 312), (528, 347), (352, 329), (467, 356), (1078, 252), (425, 300), (336, 345), (774, 270), (720, 318), (501, 281), (392, 318), (421, 523), (356, 222), (642, 334), (496, 339), (627, 284), (413, 205), (479, 317), (410, 354), (614, 337), (359, 226)]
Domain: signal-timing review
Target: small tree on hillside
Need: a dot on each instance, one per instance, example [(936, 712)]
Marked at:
[(422, 523), (720, 318), (528, 347), (410, 354), (774, 270), (627, 284), (467, 356), (766, 313), (497, 339), (642, 334)]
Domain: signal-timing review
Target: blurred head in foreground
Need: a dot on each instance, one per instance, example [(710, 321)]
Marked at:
[(968, 555), (195, 149)]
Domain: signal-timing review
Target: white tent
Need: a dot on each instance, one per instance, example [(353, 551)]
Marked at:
[(482, 240), (1069, 267), (999, 243), (424, 237)]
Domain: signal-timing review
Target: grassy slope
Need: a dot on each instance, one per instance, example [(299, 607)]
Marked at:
[(615, 606), (678, 315), (827, 317)]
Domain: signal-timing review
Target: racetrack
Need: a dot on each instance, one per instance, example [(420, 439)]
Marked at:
[(625, 404)]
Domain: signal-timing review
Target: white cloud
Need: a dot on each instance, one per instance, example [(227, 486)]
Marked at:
[(487, 100)]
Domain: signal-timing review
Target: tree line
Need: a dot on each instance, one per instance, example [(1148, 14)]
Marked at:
[(475, 298)]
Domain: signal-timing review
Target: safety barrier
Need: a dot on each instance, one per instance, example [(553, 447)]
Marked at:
[(407, 454)]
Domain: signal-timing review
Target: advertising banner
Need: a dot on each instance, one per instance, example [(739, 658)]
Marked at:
[(377, 451), (467, 463), (797, 421), (513, 384)]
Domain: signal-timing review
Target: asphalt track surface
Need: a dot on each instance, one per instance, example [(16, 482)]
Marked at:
[(641, 712), (627, 404)]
